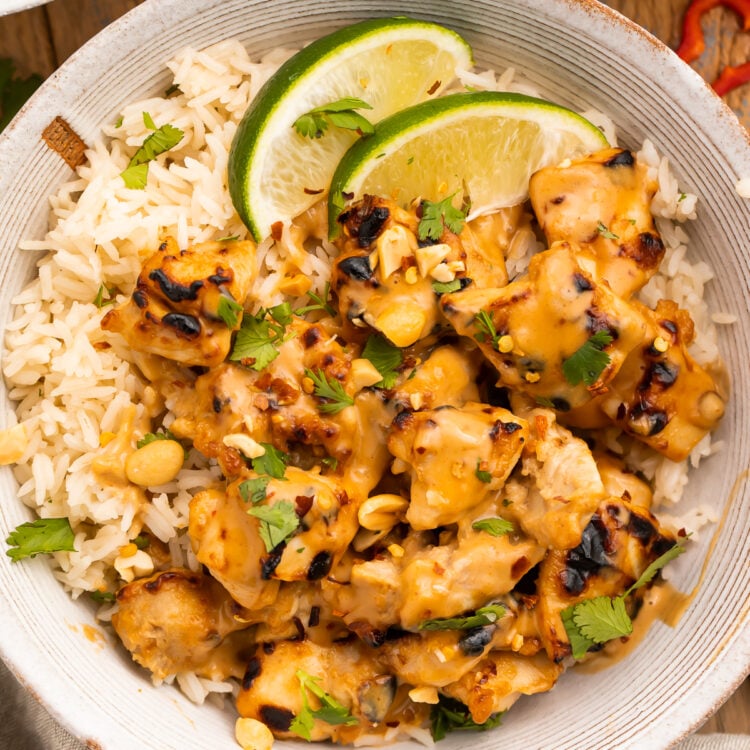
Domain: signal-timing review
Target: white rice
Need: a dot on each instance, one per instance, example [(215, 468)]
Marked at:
[(71, 383)]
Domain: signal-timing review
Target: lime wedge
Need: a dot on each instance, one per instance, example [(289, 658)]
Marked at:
[(275, 173), (485, 143)]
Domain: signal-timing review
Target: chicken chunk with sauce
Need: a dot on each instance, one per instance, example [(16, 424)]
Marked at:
[(602, 204), (179, 306)]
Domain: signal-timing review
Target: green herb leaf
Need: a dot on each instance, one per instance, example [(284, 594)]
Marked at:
[(483, 616), (587, 363), (229, 311), (149, 437), (437, 216), (486, 327), (340, 113), (386, 358), (148, 121), (256, 343), (579, 644), (320, 302), (142, 541), (330, 711), (100, 301), (604, 232), (118, 122), (446, 287), (40, 537), (229, 238), (277, 522), (482, 476), (162, 139), (449, 715), (102, 596), (332, 390), (282, 313), (494, 526), (331, 462), (603, 618), (273, 462), (254, 490)]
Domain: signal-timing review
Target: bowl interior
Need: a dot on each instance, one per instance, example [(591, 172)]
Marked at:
[(574, 52)]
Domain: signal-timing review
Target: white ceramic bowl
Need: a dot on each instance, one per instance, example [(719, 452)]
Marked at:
[(578, 53)]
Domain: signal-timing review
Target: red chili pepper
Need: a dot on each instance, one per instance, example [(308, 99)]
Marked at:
[(693, 42), (731, 77)]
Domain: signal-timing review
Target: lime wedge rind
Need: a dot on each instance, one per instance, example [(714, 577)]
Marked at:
[(315, 76), (453, 131)]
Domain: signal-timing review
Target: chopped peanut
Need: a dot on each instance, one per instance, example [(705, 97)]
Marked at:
[(253, 734), (13, 443)]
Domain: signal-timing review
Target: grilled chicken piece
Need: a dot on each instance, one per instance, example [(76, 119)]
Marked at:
[(313, 524), (429, 581), (560, 486), (176, 309), (619, 543), (349, 673), (383, 277), (540, 321), (276, 406), (661, 396), (446, 377), (500, 679), (456, 458), (602, 203), (175, 621), (619, 481)]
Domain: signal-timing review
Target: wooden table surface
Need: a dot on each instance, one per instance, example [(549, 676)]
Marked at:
[(40, 39)]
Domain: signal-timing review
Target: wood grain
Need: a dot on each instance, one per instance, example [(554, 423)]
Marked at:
[(39, 40)]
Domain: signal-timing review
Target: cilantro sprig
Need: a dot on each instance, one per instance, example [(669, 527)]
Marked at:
[(483, 616), (156, 143), (150, 437), (385, 357), (257, 341), (319, 302), (40, 537), (587, 363), (438, 215), (605, 232), (336, 397), (341, 113), (487, 330), (603, 618), (272, 463), (449, 715), (277, 522), (100, 300), (481, 474), (330, 711), (494, 526), (229, 310), (254, 490)]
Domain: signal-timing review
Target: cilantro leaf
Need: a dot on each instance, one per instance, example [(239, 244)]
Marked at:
[(229, 311), (149, 437), (338, 398), (446, 287), (102, 596), (100, 301), (603, 618), (437, 216), (449, 715), (487, 328), (587, 363), (273, 462), (330, 711), (386, 358), (256, 343), (493, 526), (148, 121), (277, 522), (341, 113), (579, 644), (319, 302), (142, 541), (483, 616), (648, 574), (162, 139), (282, 313), (39, 537), (482, 476), (254, 490), (604, 232)]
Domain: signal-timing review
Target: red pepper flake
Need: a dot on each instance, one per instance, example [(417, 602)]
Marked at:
[(277, 229), (693, 42), (310, 191)]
